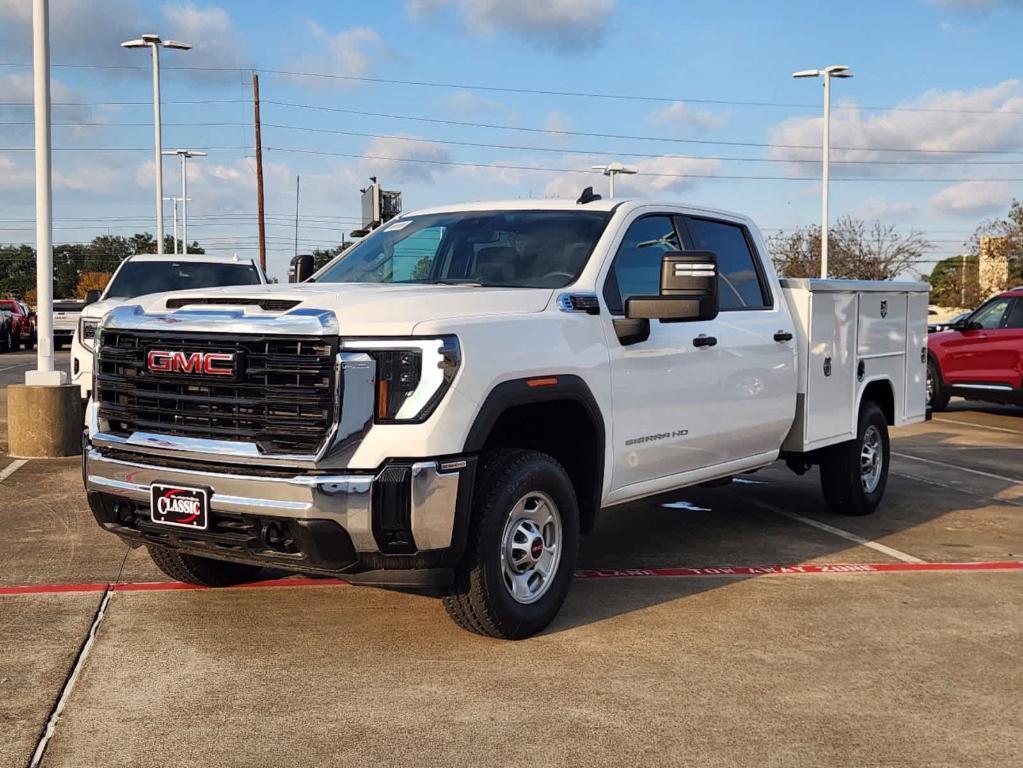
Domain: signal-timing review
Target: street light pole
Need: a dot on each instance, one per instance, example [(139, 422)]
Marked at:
[(154, 42), (841, 71), (611, 170), (44, 373), (184, 154)]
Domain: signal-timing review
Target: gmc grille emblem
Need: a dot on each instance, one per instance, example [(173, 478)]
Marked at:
[(195, 363)]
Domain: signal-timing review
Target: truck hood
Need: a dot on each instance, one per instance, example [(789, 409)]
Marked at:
[(363, 309)]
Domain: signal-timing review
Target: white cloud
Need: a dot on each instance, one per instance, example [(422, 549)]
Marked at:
[(680, 113), (680, 174), (557, 123), (958, 122), (348, 53), (561, 25), (879, 209), (14, 175), (465, 101), (976, 6), (215, 39), (972, 198), (421, 161)]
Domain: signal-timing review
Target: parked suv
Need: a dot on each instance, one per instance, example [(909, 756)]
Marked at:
[(981, 356), (148, 273), (23, 324)]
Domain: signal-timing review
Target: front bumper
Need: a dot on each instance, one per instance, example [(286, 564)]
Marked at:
[(404, 525)]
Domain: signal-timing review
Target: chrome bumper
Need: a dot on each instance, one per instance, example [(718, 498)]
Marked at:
[(346, 499)]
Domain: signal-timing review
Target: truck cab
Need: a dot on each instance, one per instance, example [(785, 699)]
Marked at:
[(450, 404)]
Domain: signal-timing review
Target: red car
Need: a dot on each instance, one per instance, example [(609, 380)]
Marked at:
[(981, 356), (23, 330)]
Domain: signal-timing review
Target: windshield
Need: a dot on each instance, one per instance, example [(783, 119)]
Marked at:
[(137, 278), (515, 249)]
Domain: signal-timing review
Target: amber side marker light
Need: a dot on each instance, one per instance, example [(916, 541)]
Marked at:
[(548, 381)]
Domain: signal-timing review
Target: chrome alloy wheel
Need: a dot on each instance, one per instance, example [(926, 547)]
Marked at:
[(531, 547), (931, 384), (871, 459)]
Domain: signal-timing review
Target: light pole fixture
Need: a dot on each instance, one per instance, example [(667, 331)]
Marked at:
[(613, 169), (184, 154), (841, 71), (155, 43)]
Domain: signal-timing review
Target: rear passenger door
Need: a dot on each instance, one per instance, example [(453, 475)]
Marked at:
[(756, 342)]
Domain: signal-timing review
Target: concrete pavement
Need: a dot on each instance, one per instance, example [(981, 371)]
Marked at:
[(881, 669)]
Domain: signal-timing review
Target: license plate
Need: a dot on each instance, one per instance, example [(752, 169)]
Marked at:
[(180, 506)]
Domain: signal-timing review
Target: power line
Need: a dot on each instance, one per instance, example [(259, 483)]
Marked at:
[(630, 137), (530, 91), (547, 169)]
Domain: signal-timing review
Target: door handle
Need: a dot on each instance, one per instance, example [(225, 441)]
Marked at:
[(704, 341), (783, 336)]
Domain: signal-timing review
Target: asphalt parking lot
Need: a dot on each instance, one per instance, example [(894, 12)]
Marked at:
[(708, 628)]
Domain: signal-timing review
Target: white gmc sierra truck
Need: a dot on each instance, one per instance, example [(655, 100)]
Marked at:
[(449, 404)]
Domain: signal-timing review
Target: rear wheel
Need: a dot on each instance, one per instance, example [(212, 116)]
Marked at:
[(7, 341), (854, 473), (16, 342), (202, 571), (937, 394), (522, 546)]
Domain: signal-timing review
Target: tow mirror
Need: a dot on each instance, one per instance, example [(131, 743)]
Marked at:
[(91, 297), (966, 325), (301, 268), (689, 290)]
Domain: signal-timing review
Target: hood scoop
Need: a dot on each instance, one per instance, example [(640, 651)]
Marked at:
[(265, 304)]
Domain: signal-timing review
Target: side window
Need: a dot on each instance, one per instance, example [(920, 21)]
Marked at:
[(739, 284), (990, 316), (636, 270), (1015, 314)]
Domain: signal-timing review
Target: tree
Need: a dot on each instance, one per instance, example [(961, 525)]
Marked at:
[(856, 251), (321, 256), (91, 281), (953, 283), (1011, 229)]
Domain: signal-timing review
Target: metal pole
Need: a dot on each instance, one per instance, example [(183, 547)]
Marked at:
[(184, 204), (611, 195), (44, 373), (962, 281), (158, 150), (298, 180), (175, 225), (259, 173), (824, 191)]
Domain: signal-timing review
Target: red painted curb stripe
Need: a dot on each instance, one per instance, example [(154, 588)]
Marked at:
[(788, 570), (722, 571)]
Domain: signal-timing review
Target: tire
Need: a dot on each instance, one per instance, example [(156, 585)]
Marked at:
[(937, 393), (7, 342), (202, 571), (524, 515), (15, 343), (847, 486)]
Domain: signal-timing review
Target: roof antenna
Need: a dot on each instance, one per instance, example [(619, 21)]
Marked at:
[(587, 196)]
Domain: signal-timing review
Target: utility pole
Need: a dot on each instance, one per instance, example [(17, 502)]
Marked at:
[(174, 200), (259, 173), (298, 180)]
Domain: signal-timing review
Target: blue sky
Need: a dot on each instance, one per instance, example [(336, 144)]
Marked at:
[(932, 75)]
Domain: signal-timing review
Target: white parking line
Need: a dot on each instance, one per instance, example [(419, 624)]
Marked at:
[(1013, 480), (957, 488), (12, 367), (847, 535), (11, 468), (979, 426)]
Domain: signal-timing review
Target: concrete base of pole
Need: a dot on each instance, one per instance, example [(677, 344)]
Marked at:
[(44, 422)]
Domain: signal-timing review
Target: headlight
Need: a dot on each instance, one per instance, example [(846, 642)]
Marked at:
[(412, 374), (87, 331)]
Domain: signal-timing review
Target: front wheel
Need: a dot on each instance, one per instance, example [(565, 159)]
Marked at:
[(202, 571), (522, 546), (854, 473)]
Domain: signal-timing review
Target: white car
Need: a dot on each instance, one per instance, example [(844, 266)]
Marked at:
[(450, 403), (149, 273)]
